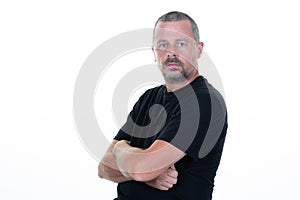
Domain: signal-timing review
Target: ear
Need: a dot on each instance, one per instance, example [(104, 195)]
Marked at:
[(200, 48), (153, 50)]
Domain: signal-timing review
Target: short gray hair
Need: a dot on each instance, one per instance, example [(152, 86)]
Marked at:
[(178, 16)]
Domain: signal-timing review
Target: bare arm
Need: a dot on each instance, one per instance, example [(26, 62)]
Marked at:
[(164, 181), (146, 165), (108, 168)]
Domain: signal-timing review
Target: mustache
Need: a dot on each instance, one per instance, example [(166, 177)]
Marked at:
[(173, 60)]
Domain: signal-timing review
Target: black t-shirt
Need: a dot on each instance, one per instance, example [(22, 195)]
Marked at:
[(194, 119)]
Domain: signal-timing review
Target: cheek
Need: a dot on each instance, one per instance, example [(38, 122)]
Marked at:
[(161, 56), (188, 56), (185, 56)]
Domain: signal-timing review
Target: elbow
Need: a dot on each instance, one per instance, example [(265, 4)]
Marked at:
[(99, 174), (101, 171)]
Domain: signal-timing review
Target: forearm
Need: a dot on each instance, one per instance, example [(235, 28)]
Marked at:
[(112, 174), (141, 165), (127, 158), (108, 169)]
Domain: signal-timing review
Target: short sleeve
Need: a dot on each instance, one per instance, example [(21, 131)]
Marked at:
[(123, 132), (121, 135), (187, 129)]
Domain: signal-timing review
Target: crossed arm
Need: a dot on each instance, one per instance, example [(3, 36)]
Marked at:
[(154, 165), (108, 168)]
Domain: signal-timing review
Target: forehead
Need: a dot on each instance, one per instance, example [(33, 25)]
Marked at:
[(174, 29)]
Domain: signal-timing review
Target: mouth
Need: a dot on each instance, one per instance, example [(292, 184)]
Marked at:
[(173, 65)]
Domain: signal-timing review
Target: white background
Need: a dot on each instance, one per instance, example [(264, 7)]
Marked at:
[(254, 44)]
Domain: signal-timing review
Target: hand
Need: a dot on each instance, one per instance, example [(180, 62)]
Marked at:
[(166, 180)]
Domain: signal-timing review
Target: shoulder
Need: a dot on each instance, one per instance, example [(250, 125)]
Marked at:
[(159, 90), (203, 88), (154, 90)]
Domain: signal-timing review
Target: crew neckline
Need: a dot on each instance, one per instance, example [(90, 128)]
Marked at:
[(200, 77)]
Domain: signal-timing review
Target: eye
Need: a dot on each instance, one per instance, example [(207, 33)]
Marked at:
[(162, 45), (182, 44)]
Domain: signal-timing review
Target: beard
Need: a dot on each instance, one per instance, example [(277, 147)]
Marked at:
[(179, 74)]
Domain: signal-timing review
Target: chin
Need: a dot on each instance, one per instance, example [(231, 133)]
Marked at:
[(178, 78)]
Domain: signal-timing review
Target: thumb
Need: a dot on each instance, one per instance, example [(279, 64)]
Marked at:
[(173, 167)]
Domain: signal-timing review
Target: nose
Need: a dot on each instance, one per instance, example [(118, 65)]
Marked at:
[(171, 53)]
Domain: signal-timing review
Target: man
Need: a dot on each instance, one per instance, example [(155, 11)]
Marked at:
[(171, 145)]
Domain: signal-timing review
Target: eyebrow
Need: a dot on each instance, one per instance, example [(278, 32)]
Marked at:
[(159, 41), (181, 39)]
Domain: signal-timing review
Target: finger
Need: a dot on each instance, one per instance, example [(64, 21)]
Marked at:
[(163, 188), (171, 180), (165, 183), (172, 173), (156, 184)]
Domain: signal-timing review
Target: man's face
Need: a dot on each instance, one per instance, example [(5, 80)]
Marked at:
[(176, 50)]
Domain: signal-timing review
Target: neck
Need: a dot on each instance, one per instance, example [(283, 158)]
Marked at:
[(171, 87)]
